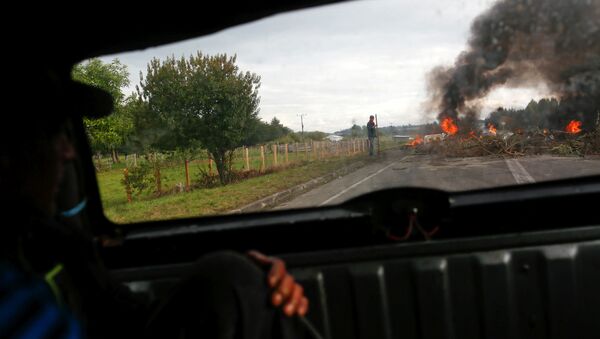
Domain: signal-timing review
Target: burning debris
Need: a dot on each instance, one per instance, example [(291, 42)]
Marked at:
[(573, 127), (570, 141), (448, 126), (417, 141)]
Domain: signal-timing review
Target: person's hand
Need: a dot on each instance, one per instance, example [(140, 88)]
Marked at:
[(286, 292)]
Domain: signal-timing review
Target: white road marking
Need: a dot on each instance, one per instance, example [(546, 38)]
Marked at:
[(356, 184), (519, 172)]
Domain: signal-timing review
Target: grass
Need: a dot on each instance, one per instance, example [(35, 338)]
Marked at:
[(208, 201)]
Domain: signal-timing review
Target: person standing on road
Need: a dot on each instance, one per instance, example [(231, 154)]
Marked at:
[(372, 134)]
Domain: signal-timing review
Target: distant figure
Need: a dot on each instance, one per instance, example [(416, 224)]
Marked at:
[(371, 133)]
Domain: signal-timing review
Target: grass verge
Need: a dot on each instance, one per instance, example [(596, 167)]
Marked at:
[(207, 201)]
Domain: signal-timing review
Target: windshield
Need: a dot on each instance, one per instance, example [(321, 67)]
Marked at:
[(318, 106)]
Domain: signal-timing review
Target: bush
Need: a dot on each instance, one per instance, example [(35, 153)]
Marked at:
[(138, 179), (205, 179)]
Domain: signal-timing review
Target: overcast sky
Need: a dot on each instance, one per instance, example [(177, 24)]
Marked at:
[(338, 64)]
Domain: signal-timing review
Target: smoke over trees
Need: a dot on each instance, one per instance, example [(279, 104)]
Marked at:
[(517, 43)]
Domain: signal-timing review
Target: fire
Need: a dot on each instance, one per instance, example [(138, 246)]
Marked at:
[(449, 127), (573, 127), (492, 129), (418, 140)]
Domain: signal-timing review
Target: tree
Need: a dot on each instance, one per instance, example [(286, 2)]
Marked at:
[(536, 115), (149, 133), (356, 131), (204, 99), (109, 133), (277, 130)]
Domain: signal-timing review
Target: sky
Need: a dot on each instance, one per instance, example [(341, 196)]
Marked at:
[(338, 64)]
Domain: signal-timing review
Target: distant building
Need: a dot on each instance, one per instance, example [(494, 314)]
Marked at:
[(333, 137), (401, 137)]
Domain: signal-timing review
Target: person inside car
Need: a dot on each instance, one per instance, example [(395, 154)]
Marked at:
[(228, 295)]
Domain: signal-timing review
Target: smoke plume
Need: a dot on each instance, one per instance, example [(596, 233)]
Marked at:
[(522, 42)]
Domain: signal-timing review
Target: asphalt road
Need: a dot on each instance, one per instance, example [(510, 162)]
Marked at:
[(400, 168)]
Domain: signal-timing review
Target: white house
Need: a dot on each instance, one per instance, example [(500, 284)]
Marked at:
[(333, 137)]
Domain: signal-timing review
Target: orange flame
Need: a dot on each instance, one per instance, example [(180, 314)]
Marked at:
[(449, 127), (492, 129), (418, 140), (573, 127)]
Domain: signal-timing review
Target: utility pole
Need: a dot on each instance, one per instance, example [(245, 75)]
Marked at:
[(302, 123)]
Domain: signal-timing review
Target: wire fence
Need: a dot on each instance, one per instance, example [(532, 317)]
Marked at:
[(259, 158)]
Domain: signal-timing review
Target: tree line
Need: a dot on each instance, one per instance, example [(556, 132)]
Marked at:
[(550, 114)]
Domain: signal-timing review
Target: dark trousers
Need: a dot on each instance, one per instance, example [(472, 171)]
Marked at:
[(226, 297), (371, 146)]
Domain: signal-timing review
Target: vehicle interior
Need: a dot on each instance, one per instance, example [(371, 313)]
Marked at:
[(519, 261)]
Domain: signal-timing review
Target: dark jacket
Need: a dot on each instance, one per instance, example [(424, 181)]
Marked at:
[(371, 129), (43, 246)]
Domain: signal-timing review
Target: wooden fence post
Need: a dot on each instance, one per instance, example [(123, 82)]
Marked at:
[(286, 154), (275, 155), (297, 151), (306, 150), (262, 157), (247, 158), (321, 150), (127, 184), (187, 175)]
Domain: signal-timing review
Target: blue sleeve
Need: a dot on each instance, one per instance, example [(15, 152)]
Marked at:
[(28, 309)]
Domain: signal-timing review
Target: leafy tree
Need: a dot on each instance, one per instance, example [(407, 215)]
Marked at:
[(315, 135), (149, 132), (204, 99), (357, 132), (261, 132), (109, 133), (278, 130)]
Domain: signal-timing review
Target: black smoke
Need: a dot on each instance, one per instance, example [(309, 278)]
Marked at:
[(523, 42)]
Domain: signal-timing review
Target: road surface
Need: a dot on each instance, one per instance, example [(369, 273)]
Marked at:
[(401, 168)]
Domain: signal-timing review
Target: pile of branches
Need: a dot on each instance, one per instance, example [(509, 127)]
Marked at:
[(538, 142)]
